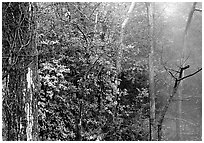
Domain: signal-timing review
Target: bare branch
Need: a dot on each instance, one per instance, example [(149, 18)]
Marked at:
[(162, 61), (14, 39), (174, 70), (184, 68), (185, 60), (172, 75), (199, 10), (81, 12), (97, 5), (87, 72), (173, 118), (82, 34), (190, 75), (169, 72), (21, 21)]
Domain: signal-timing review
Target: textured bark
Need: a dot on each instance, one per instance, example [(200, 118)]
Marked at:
[(19, 57), (32, 84)]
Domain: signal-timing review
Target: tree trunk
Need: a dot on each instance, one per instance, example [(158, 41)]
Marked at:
[(152, 125), (163, 112), (178, 81), (180, 89), (32, 83), (120, 48), (79, 121), (174, 91), (120, 56), (20, 68)]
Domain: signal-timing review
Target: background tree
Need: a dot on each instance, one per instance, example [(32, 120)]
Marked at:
[(174, 42), (152, 42), (184, 54)]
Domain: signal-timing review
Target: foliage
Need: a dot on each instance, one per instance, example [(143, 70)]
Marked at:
[(71, 73)]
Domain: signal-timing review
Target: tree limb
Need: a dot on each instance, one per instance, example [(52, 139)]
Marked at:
[(184, 68), (190, 75), (196, 9)]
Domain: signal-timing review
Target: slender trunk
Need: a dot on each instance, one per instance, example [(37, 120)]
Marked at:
[(120, 49), (151, 23), (179, 114), (159, 132), (164, 110), (120, 56), (184, 53), (78, 122)]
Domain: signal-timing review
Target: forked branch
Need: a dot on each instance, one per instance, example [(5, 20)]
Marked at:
[(190, 74)]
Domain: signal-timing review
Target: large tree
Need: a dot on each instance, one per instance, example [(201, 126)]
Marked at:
[(20, 78)]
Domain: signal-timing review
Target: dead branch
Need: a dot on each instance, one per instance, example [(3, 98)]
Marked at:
[(190, 75), (199, 10)]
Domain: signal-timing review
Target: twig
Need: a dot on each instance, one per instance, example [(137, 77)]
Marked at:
[(174, 70), (169, 72), (81, 12), (94, 9), (162, 62), (20, 22), (87, 72), (82, 34), (185, 60), (172, 75), (173, 118)]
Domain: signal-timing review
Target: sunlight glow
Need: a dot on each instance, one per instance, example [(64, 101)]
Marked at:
[(170, 9)]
